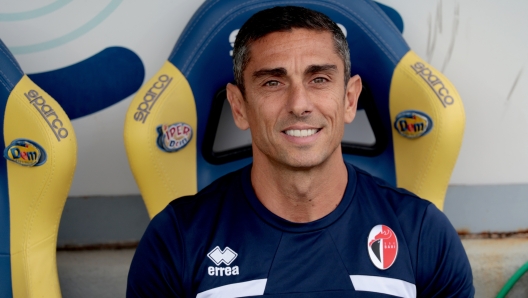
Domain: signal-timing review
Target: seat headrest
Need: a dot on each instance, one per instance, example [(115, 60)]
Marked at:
[(36, 171), (203, 55), (405, 111)]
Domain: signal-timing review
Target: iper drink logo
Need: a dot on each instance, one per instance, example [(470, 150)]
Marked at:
[(413, 124), (382, 246), (172, 138), (25, 152), (434, 82)]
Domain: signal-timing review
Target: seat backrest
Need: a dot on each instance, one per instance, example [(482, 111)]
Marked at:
[(35, 177), (408, 130)]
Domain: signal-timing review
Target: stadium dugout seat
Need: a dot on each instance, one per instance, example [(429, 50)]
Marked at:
[(40, 153), (179, 135)]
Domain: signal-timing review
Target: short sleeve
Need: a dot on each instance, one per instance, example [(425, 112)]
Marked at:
[(157, 264), (443, 267)]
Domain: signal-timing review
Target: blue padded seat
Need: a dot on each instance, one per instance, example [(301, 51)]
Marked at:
[(415, 115)]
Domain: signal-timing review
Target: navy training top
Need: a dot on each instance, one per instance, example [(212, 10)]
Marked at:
[(380, 241)]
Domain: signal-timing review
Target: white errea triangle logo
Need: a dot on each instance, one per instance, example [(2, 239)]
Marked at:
[(226, 256)]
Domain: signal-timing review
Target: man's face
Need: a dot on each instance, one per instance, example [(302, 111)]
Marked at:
[(296, 102)]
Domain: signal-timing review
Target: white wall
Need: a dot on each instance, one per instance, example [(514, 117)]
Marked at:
[(481, 46)]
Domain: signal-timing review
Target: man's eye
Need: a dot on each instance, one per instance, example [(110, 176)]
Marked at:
[(320, 80), (271, 83)]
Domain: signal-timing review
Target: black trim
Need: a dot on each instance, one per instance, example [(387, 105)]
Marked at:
[(366, 101), (209, 155)]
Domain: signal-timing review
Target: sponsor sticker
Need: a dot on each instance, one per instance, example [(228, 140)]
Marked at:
[(172, 138), (382, 246), (413, 124), (26, 153)]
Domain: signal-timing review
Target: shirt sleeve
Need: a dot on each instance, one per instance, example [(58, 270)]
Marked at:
[(443, 266), (157, 264)]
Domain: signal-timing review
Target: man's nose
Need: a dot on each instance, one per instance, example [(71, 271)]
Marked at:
[(299, 102)]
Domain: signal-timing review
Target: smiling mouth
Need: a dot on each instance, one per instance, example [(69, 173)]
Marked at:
[(301, 133)]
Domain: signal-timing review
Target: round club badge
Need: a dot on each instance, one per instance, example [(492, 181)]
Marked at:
[(382, 246)]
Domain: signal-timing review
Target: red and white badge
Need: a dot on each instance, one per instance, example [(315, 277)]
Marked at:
[(382, 246)]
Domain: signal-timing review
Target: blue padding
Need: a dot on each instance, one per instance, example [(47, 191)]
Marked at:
[(6, 289), (202, 54), (10, 75), (393, 15), (94, 83)]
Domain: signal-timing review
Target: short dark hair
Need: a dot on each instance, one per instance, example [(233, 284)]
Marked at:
[(283, 19)]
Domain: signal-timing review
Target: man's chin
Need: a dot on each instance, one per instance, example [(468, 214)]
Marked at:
[(303, 164)]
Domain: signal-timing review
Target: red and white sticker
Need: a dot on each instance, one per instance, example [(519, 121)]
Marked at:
[(382, 246)]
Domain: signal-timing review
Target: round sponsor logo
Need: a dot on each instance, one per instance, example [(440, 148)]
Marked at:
[(174, 137), (382, 246), (413, 124), (25, 152)]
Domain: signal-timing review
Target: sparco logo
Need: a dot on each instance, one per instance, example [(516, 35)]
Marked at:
[(434, 82), (226, 256), (47, 113), (150, 98)]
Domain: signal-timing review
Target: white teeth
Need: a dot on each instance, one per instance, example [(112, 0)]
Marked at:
[(301, 132)]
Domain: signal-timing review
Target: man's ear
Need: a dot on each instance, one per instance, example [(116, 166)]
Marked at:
[(238, 106), (353, 90)]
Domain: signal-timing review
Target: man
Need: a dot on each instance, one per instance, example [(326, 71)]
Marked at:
[(299, 221)]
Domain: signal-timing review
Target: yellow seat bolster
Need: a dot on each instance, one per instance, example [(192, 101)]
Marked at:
[(161, 176), (424, 163), (37, 194)]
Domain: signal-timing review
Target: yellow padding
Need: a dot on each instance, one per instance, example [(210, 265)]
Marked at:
[(37, 194), (424, 164), (162, 176)]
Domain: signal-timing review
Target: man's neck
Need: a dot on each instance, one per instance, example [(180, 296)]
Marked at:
[(300, 195)]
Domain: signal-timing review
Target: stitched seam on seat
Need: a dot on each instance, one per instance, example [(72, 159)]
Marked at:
[(388, 47), (386, 19), (7, 81), (209, 37), (195, 22), (11, 58), (4, 84)]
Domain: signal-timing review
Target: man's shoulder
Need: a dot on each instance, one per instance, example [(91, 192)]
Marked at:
[(375, 188), (209, 200)]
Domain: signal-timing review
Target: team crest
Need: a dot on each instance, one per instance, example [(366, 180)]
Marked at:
[(413, 124), (25, 152), (172, 138), (382, 246)]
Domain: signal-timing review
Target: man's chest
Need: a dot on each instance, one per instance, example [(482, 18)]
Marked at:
[(313, 264)]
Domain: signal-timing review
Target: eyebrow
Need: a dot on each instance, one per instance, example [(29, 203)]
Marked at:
[(320, 68), (276, 72), (281, 71)]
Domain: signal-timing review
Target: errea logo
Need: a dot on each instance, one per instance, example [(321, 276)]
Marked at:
[(226, 256)]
